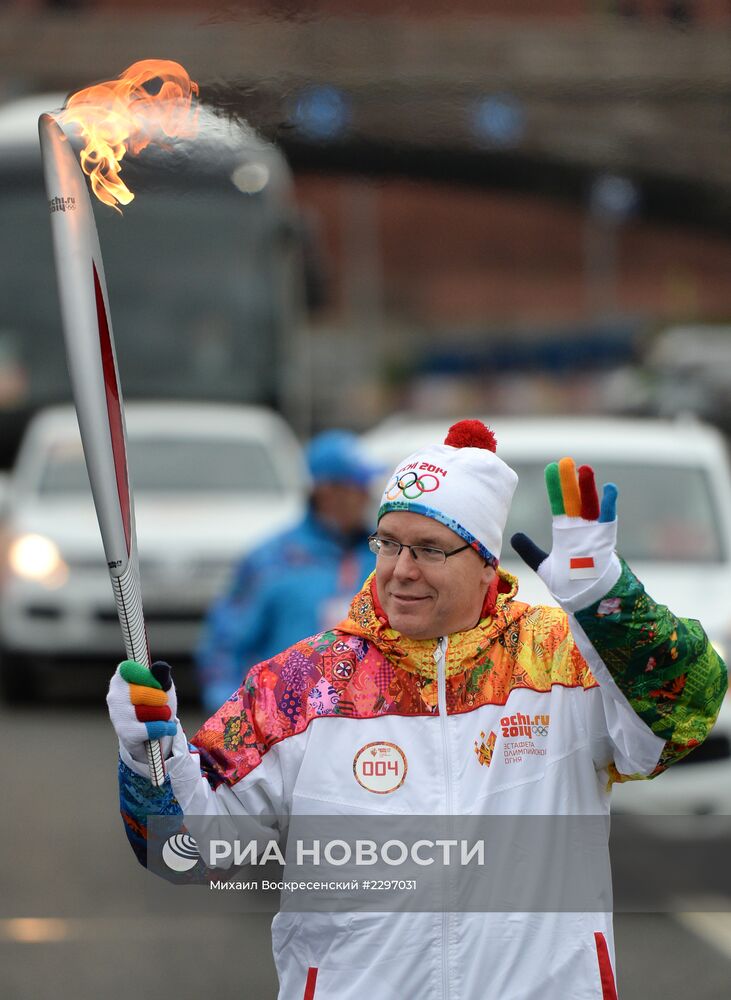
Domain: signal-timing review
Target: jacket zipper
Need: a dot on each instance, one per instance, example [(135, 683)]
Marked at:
[(440, 655)]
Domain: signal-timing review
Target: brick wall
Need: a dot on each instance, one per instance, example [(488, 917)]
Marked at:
[(455, 258)]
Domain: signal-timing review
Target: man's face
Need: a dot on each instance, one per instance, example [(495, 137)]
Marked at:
[(343, 505), (423, 600)]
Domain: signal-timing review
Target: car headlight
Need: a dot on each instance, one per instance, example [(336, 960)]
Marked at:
[(35, 557)]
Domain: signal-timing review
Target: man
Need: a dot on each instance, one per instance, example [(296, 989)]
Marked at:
[(438, 661), (301, 580)]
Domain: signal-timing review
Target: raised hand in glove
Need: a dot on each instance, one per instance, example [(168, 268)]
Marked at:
[(143, 706), (582, 565)]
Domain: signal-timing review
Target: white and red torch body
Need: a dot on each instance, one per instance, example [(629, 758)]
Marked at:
[(95, 384)]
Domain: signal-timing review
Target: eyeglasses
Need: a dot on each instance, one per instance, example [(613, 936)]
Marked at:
[(388, 548)]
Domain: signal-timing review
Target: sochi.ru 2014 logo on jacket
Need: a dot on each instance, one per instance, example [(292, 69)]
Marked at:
[(525, 725), (522, 736)]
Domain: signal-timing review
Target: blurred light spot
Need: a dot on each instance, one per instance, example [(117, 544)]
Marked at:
[(36, 930), (498, 120), (251, 177), (35, 557), (614, 197), (321, 112)]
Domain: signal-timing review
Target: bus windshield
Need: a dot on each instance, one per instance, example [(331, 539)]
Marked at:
[(196, 294)]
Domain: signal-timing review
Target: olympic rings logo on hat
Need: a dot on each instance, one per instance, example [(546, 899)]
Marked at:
[(411, 486)]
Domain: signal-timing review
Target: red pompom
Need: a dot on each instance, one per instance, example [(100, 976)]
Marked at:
[(471, 434)]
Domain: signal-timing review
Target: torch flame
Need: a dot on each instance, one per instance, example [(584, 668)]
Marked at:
[(122, 115)]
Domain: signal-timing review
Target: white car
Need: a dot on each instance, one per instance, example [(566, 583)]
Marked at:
[(209, 482), (674, 510)]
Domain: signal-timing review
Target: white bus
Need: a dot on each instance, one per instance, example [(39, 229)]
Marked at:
[(204, 271)]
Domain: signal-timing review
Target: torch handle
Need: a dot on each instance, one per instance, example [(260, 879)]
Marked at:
[(128, 598)]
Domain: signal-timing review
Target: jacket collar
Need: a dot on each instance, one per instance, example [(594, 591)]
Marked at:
[(465, 650)]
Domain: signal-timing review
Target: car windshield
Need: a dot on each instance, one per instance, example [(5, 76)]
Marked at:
[(666, 512), (171, 465)]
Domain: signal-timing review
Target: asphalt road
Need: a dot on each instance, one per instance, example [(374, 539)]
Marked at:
[(73, 919)]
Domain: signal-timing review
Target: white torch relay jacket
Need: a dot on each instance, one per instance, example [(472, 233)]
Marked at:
[(509, 718)]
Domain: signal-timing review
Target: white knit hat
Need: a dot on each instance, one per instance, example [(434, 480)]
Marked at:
[(461, 483)]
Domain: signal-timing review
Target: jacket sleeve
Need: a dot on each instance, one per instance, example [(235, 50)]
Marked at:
[(238, 764), (661, 681), (233, 633)]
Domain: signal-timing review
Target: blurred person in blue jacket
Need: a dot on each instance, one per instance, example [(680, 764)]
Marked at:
[(301, 580)]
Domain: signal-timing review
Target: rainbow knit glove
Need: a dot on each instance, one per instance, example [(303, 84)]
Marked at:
[(582, 566), (143, 706)]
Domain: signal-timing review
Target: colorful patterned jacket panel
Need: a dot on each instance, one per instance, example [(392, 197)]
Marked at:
[(664, 666), (363, 669)]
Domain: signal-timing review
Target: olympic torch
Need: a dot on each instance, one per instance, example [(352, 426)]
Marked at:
[(85, 313)]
